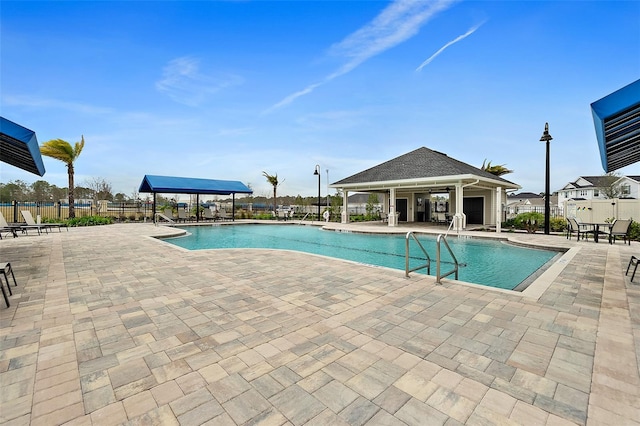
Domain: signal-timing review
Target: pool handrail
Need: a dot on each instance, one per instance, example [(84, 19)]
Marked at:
[(302, 220), (439, 276), (406, 256)]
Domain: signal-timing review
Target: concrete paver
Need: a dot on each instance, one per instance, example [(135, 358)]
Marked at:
[(110, 326)]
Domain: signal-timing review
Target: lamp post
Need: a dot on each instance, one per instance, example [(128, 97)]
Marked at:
[(317, 173), (546, 137)]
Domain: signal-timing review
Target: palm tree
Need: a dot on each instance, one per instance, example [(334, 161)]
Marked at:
[(495, 170), (63, 151), (273, 180)]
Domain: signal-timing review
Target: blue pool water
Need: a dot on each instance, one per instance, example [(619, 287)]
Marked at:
[(488, 262)]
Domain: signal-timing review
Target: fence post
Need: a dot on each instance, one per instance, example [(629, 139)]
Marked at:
[(59, 210), (15, 211)]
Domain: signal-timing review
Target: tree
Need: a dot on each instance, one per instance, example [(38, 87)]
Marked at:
[(63, 151), (100, 189), (41, 190), (608, 187), (498, 170), (16, 190), (273, 180)]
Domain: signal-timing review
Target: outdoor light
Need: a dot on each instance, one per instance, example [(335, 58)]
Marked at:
[(546, 137), (317, 173)]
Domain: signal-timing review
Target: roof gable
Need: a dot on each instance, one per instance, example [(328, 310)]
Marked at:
[(417, 164), (182, 185)]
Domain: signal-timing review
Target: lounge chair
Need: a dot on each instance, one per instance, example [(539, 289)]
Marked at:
[(620, 228), (633, 261), (208, 214), (182, 215), (9, 229), (6, 269), (223, 215), (32, 223), (576, 227)]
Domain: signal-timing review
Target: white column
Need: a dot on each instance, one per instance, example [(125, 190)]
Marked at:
[(460, 205), (498, 210), (345, 206), (392, 207)]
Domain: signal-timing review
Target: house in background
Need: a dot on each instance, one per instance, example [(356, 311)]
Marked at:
[(592, 188), (526, 202)]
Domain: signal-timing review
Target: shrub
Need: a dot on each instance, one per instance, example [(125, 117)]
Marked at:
[(530, 221), (558, 224), (634, 231), (89, 221)]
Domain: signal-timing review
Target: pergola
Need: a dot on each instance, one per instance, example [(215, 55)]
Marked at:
[(616, 118), (183, 185), (19, 147)]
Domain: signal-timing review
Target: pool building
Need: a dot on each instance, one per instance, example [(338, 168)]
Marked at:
[(407, 183)]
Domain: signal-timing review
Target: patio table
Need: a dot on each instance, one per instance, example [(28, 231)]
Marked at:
[(596, 228)]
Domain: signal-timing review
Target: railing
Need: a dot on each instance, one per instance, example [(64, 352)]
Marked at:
[(302, 220), (406, 255), (439, 276), (441, 238)]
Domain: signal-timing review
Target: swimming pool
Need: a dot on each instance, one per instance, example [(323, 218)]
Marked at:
[(488, 262)]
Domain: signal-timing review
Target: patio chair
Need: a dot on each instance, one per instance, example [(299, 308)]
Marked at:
[(576, 227), (620, 228), (182, 215), (8, 229), (208, 214), (6, 269), (30, 222), (223, 215), (633, 261)]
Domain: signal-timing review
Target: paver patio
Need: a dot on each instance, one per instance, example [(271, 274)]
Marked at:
[(110, 326)]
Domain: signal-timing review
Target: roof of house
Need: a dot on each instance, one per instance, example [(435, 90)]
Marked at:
[(524, 195), (420, 163), (596, 181)]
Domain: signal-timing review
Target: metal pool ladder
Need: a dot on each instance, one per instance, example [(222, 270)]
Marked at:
[(406, 255), (441, 238)]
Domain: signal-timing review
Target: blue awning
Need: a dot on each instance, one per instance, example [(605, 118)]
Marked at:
[(617, 121), (19, 147), (183, 185)]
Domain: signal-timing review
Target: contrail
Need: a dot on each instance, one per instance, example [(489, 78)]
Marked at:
[(398, 22), (454, 41)]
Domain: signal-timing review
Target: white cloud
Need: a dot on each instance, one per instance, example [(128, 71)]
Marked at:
[(183, 81), (47, 103)]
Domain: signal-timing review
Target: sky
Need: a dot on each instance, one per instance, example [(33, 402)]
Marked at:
[(231, 89)]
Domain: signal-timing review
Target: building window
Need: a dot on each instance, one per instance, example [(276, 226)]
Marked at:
[(596, 192), (625, 189), (583, 193)]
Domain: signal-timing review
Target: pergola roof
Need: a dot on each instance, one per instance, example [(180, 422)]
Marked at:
[(184, 185), (617, 121), (421, 167), (19, 147)]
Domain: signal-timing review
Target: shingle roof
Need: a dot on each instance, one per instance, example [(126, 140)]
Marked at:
[(420, 163)]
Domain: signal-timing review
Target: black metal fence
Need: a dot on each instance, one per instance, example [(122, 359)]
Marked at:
[(60, 211)]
